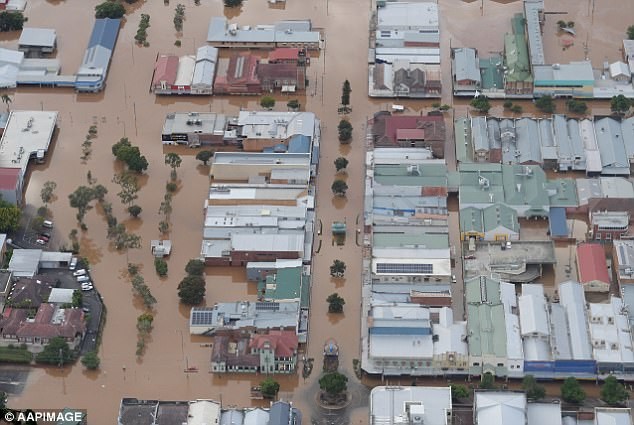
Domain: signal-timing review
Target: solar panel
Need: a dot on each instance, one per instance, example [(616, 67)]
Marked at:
[(404, 268), (202, 317), (267, 306)]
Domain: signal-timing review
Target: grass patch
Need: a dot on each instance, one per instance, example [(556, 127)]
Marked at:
[(14, 355)]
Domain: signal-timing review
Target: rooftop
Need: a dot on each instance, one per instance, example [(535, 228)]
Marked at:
[(190, 122), (388, 405), (27, 134), (591, 263), (408, 16), (500, 408), (38, 37), (220, 31), (276, 125), (625, 258)]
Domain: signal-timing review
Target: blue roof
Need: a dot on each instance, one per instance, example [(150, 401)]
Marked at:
[(299, 143), (104, 33), (280, 413), (314, 157), (557, 222)]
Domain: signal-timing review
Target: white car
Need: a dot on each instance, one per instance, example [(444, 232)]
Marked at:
[(86, 288), (40, 242), (83, 279), (79, 272), (86, 285), (73, 263)]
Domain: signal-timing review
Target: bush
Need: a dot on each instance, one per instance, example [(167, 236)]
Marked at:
[(267, 102), (545, 104), (55, 352), (11, 21), (534, 391), (481, 103), (459, 391), (507, 104), (572, 392), (91, 360), (345, 131), (269, 388), (333, 383), (613, 392), (161, 266), (516, 109), (487, 382), (135, 210)]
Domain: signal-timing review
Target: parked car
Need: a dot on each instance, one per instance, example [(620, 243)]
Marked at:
[(48, 224), (73, 263), (79, 272), (88, 283), (40, 242), (44, 238), (86, 310), (82, 279), (47, 234), (87, 288)]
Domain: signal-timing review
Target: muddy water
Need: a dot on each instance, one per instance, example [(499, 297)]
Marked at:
[(127, 109)]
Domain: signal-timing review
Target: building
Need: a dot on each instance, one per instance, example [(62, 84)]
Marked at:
[(518, 79), (612, 415), (614, 194), (61, 296), (186, 74), (30, 292), (494, 223), (414, 405), (50, 322), (287, 77), (623, 261), (574, 79), (291, 55), (493, 328), (272, 352), (249, 316), (194, 129), (36, 42), (27, 262), (410, 132), (499, 408), (614, 157), (298, 34), (611, 338), (200, 412), (238, 75), (628, 54), (261, 130), (165, 71), (27, 135), (609, 225), (91, 76), (592, 268), (620, 71), (204, 70), (466, 71), (276, 168)]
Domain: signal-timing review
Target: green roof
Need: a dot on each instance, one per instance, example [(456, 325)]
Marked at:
[(461, 130), (500, 215), (485, 318), (284, 284), (430, 175), (525, 185), (516, 52), (471, 220), (565, 193), (425, 240), (305, 292), (492, 73)]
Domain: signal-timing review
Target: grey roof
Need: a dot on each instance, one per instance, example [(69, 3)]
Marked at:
[(181, 122), (256, 416), (495, 138), (38, 37), (466, 64), (25, 262), (388, 404), (237, 315), (281, 32), (566, 74), (547, 143), (526, 142), (572, 298), (205, 68), (479, 133), (232, 417), (534, 30), (611, 146), (280, 413), (627, 128)]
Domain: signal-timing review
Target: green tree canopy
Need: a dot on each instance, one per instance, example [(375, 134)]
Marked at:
[(630, 32), (571, 391), (335, 303), (459, 391), (333, 383), (77, 298), (613, 392), (339, 187), (545, 104), (534, 391), (338, 268), (293, 104), (267, 102), (269, 387), (195, 267), (487, 381), (91, 360), (481, 103), (345, 130), (341, 163), (174, 161), (47, 192), (55, 352), (204, 156), (9, 216), (11, 21), (109, 9), (161, 266), (233, 3), (620, 104), (191, 290), (134, 210), (345, 93)]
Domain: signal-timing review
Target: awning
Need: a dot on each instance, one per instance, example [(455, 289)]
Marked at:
[(288, 89)]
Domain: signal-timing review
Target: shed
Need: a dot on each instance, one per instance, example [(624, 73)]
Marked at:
[(620, 71), (557, 224)]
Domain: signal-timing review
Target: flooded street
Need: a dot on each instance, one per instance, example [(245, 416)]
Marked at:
[(126, 108)]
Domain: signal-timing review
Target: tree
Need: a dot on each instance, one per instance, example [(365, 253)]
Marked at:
[(630, 32), (9, 216), (338, 268), (161, 266), (487, 381), (134, 210), (77, 298), (293, 104), (345, 95), (179, 17), (81, 199), (341, 163), (131, 155), (47, 192), (204, 156), (6, 99), (571, 391), (174, 161), (164, 227), (56, 352), (516, 109), (191, 290), (129, 187), (171, 187), (269, 387), (444, 107), (481, 103), (620, 104), (99, 192), (195, 267), (267, 102), (534, 391), (339, 187), (459, 391), (345, 130), (233, 3), (507, 104), (11, 21), (613, 392), (144, 323), (109, 9), (335, 303), (545, 104), (333, 383), (577, 106), (91, 360), (122, 143)]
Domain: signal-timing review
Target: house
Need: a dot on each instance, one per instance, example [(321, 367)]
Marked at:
[(204, 70), (620, 71), (91, 76), (289, 55), (415, 80), (592, 268), (238, 75), (50, 322), (27, 262), (614, 158), (165, 71), (264, 130), (466, 71), (405, 131), (30, 292), (269, 353), (609, 225), (628, 54), (413, 405), (614, 194), (286, 77), (499, 408), (195, 129), (11, 185), (623, 261), (35, 42)]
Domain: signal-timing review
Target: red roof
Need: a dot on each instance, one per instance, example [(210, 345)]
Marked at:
[(165, 70), (431, 125), (283, 54), (68, 324), (9, 178), (284, 343), (591, 263)]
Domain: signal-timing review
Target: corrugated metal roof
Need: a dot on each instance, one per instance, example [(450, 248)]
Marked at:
[(591, 263), (38, 37), (104, 33), (557, 222)]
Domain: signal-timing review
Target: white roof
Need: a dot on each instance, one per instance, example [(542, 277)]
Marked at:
[(185, 71), (61, 296), (500, 408), (276, 125), (39, 37), (203, 412), (269, 243), (388, 404), (572, 298), (618, 69), (610, 332), (56, 256), (25, 134), (544, 413), (533, 315), (400, 346), (612, 416), (407, 15), (450, 337)]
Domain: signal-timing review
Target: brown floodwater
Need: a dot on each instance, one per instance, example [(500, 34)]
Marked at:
[(126, 108)]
